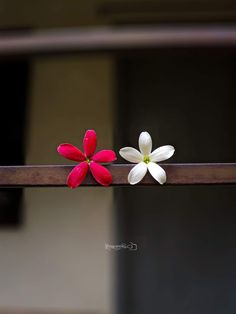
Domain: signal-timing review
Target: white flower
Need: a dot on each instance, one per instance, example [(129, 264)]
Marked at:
[(146, 160)]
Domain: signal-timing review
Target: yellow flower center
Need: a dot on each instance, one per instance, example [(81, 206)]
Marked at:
[(146, 159)]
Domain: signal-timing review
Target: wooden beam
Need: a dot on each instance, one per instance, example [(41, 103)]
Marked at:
[(117, 38), (177, 174)]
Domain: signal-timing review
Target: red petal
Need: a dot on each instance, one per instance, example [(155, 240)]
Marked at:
[(101, 174), (70, 152), (90, 143), (77, 175), (104, 156)]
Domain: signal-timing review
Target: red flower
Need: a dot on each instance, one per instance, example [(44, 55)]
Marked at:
[(87, 160)]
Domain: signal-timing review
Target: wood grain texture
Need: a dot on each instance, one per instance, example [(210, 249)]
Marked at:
[(101, 39), (177, 174)]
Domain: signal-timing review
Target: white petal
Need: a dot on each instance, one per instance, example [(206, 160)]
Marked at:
[(145, 143), (131, 154), (157, 172), (137, 173), (162, 153)]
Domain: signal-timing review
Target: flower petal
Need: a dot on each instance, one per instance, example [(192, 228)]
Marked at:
[(131, 154), (100, 174), (70, 152), (104, 156), (77, 175), (157, 172), (137, 173), (145, 143), (90, 143), (162, 153)]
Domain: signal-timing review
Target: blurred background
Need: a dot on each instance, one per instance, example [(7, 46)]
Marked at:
[(53, 256)]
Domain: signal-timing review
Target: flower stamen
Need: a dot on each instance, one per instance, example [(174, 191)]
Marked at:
[(146, 159)]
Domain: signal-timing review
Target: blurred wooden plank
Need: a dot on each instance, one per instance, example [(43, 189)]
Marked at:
[(177, 174), (114, 39)]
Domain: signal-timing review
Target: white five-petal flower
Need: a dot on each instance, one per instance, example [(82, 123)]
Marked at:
[(146, 160)]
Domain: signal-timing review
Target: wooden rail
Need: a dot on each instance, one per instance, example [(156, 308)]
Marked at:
[(177, 174), (117, 38)]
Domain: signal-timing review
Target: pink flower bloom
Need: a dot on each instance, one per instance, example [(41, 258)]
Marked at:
[(88, 160)]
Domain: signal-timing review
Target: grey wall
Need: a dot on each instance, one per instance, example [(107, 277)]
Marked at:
[(186, 236), (57, 259)]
